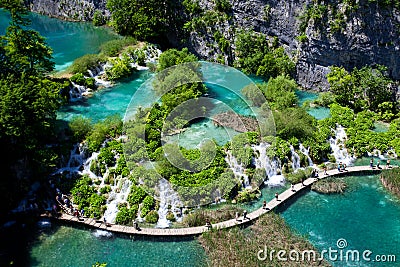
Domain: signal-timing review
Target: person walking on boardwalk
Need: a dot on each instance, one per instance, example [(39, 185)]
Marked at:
[(387, 163), (208, 224), (245, 215), (277, 196), (378, 163), (325, 170), (264, 204), (371, 163)]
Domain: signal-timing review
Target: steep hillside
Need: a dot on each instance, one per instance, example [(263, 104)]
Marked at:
[(316, 34)]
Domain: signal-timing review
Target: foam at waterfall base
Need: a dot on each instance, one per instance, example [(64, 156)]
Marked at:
[(163, 223), (275, 180), (102, 234)]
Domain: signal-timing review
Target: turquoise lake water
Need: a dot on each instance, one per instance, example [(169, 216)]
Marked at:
[(66, 246), (367, 216), (69, 40)]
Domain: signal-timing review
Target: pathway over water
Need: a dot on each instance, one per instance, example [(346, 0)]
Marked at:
[(188, 231)]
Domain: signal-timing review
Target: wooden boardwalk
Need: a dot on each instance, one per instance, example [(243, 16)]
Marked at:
[(190, 231)]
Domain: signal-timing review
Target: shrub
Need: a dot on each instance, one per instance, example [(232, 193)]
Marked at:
[(147, 205), (171, 217), (223, 6), (121, 68), (126, 216), (80, 127), (114, 47), (90, 83), (98, 18), (136, 195), (85, 63), (106, 189), (152, 216), (78, 78)]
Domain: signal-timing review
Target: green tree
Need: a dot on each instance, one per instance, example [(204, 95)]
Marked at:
[(255, 55), (141, 19), (363, 88), (172, 57)]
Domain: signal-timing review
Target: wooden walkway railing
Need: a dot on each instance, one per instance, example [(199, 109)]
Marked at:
[(271, 205)]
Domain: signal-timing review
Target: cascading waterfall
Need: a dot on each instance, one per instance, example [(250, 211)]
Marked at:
[(97, 73), (305, 152), (271, 167), (76, 160), (338, 147), (295, 159), (76, 92), (238, 169), (168, 198), (376, 152), (119, 193)]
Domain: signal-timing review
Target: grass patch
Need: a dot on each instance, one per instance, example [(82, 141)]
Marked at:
[(199, 216), (391, 180), (330, 186), (235, 247)]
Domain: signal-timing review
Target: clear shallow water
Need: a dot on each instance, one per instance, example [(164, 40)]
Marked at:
[(367, 216), (318, 112), (67, 246), (107, 101), (380, 127), (305, 96), (69, 40)]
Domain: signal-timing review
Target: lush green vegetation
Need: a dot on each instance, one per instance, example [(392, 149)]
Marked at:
[(86, 197), (367, 88), (29, 101), (391, 180), (236, 247), (137, 18), (256, 55), (198, 217)]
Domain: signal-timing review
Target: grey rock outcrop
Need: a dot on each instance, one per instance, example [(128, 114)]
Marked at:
[(75, 10)]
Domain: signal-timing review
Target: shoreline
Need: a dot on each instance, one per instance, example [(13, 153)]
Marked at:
[(194, 231), (391, 187)]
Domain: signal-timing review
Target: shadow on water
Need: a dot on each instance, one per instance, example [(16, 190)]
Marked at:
[(17, 233)]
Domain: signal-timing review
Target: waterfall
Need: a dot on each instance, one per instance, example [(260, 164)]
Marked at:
[(97, 73), (305, 152), (77, 159), (295, 159), (76, 92), (119, 193), (338, 147), (238, 169), (167, 197), (271, 167)]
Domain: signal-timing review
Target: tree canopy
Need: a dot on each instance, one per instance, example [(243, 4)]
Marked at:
[(28, 100), (138, 18), (361, 88)]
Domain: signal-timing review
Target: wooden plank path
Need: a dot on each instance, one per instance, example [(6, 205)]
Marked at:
[(190, 231)]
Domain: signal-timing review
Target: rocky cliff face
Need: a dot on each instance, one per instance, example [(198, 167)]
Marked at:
[(76, 10), (335, 32)]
